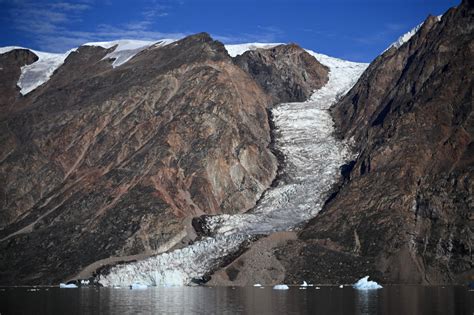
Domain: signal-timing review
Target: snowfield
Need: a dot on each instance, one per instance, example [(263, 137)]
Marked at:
[(313, 157)]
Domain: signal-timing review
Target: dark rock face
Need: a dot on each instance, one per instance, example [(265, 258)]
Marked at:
[(11, 63), (102, 163), (286, 72), (405, 212)]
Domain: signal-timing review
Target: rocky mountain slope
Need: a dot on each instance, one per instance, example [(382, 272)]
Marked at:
[(405, 212), (105, 162)]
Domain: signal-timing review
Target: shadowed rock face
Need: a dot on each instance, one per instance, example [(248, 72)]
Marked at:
[(102, 162), (405, 212), (286, 72)]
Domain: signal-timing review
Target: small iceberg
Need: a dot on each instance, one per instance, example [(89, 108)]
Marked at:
[(84, 282), (365, 284), (257, 285), (281, 287), (67, 286), (138, 286), (305, 284), (342, 286)]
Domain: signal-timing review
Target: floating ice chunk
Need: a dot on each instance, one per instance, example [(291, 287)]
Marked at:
[(138, 286), (281, 287), (85, 282), (257, 285), (317, 288), (341, 286), (67, 286), (365, 284), (305, 284)]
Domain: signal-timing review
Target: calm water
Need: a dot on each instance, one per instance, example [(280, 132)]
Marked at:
[(203, 300)]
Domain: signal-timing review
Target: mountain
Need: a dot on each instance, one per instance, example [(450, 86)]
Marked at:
[(109, 150), (404, 213)]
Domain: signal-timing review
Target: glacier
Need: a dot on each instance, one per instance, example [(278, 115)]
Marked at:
[(313, 156)]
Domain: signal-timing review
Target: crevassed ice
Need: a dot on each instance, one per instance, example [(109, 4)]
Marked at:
[(313, 157)]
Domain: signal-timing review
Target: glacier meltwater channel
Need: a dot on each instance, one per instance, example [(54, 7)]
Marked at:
[(313, 156)]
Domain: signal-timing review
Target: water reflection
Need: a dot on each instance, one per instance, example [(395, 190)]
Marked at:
[(250, 300), (366, 301)]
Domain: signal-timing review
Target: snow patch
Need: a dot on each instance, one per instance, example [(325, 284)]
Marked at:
[(366, 284), (281, 287), (67, 286)]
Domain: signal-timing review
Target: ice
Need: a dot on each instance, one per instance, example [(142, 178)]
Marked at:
[(257, 285), (304, 284), (365, 284), (138, 286), (313, 156), (39, 72), (281, 287), (67, 286), (85, 282), (127, 49), (239, 49)]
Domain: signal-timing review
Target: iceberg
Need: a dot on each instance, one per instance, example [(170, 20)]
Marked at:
[(67, 286), (138, 286), (365, 284), (257, 285), (281, 287)]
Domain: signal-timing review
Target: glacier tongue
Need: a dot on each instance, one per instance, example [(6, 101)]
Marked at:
[(313, 156)]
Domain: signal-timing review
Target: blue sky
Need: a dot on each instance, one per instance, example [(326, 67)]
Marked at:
[(356, 30)]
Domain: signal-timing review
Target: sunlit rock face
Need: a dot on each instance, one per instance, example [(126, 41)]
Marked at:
[(404, 213), (286, 72), (101, 164)]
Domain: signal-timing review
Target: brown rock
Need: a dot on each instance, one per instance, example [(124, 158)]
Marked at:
[(286, 72), (101, 163)]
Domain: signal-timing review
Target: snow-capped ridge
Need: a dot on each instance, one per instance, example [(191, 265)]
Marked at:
[(238, 49), (408, 35), (127, 49), (38, 72)]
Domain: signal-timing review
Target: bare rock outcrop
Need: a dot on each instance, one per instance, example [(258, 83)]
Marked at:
[(286, 72)]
